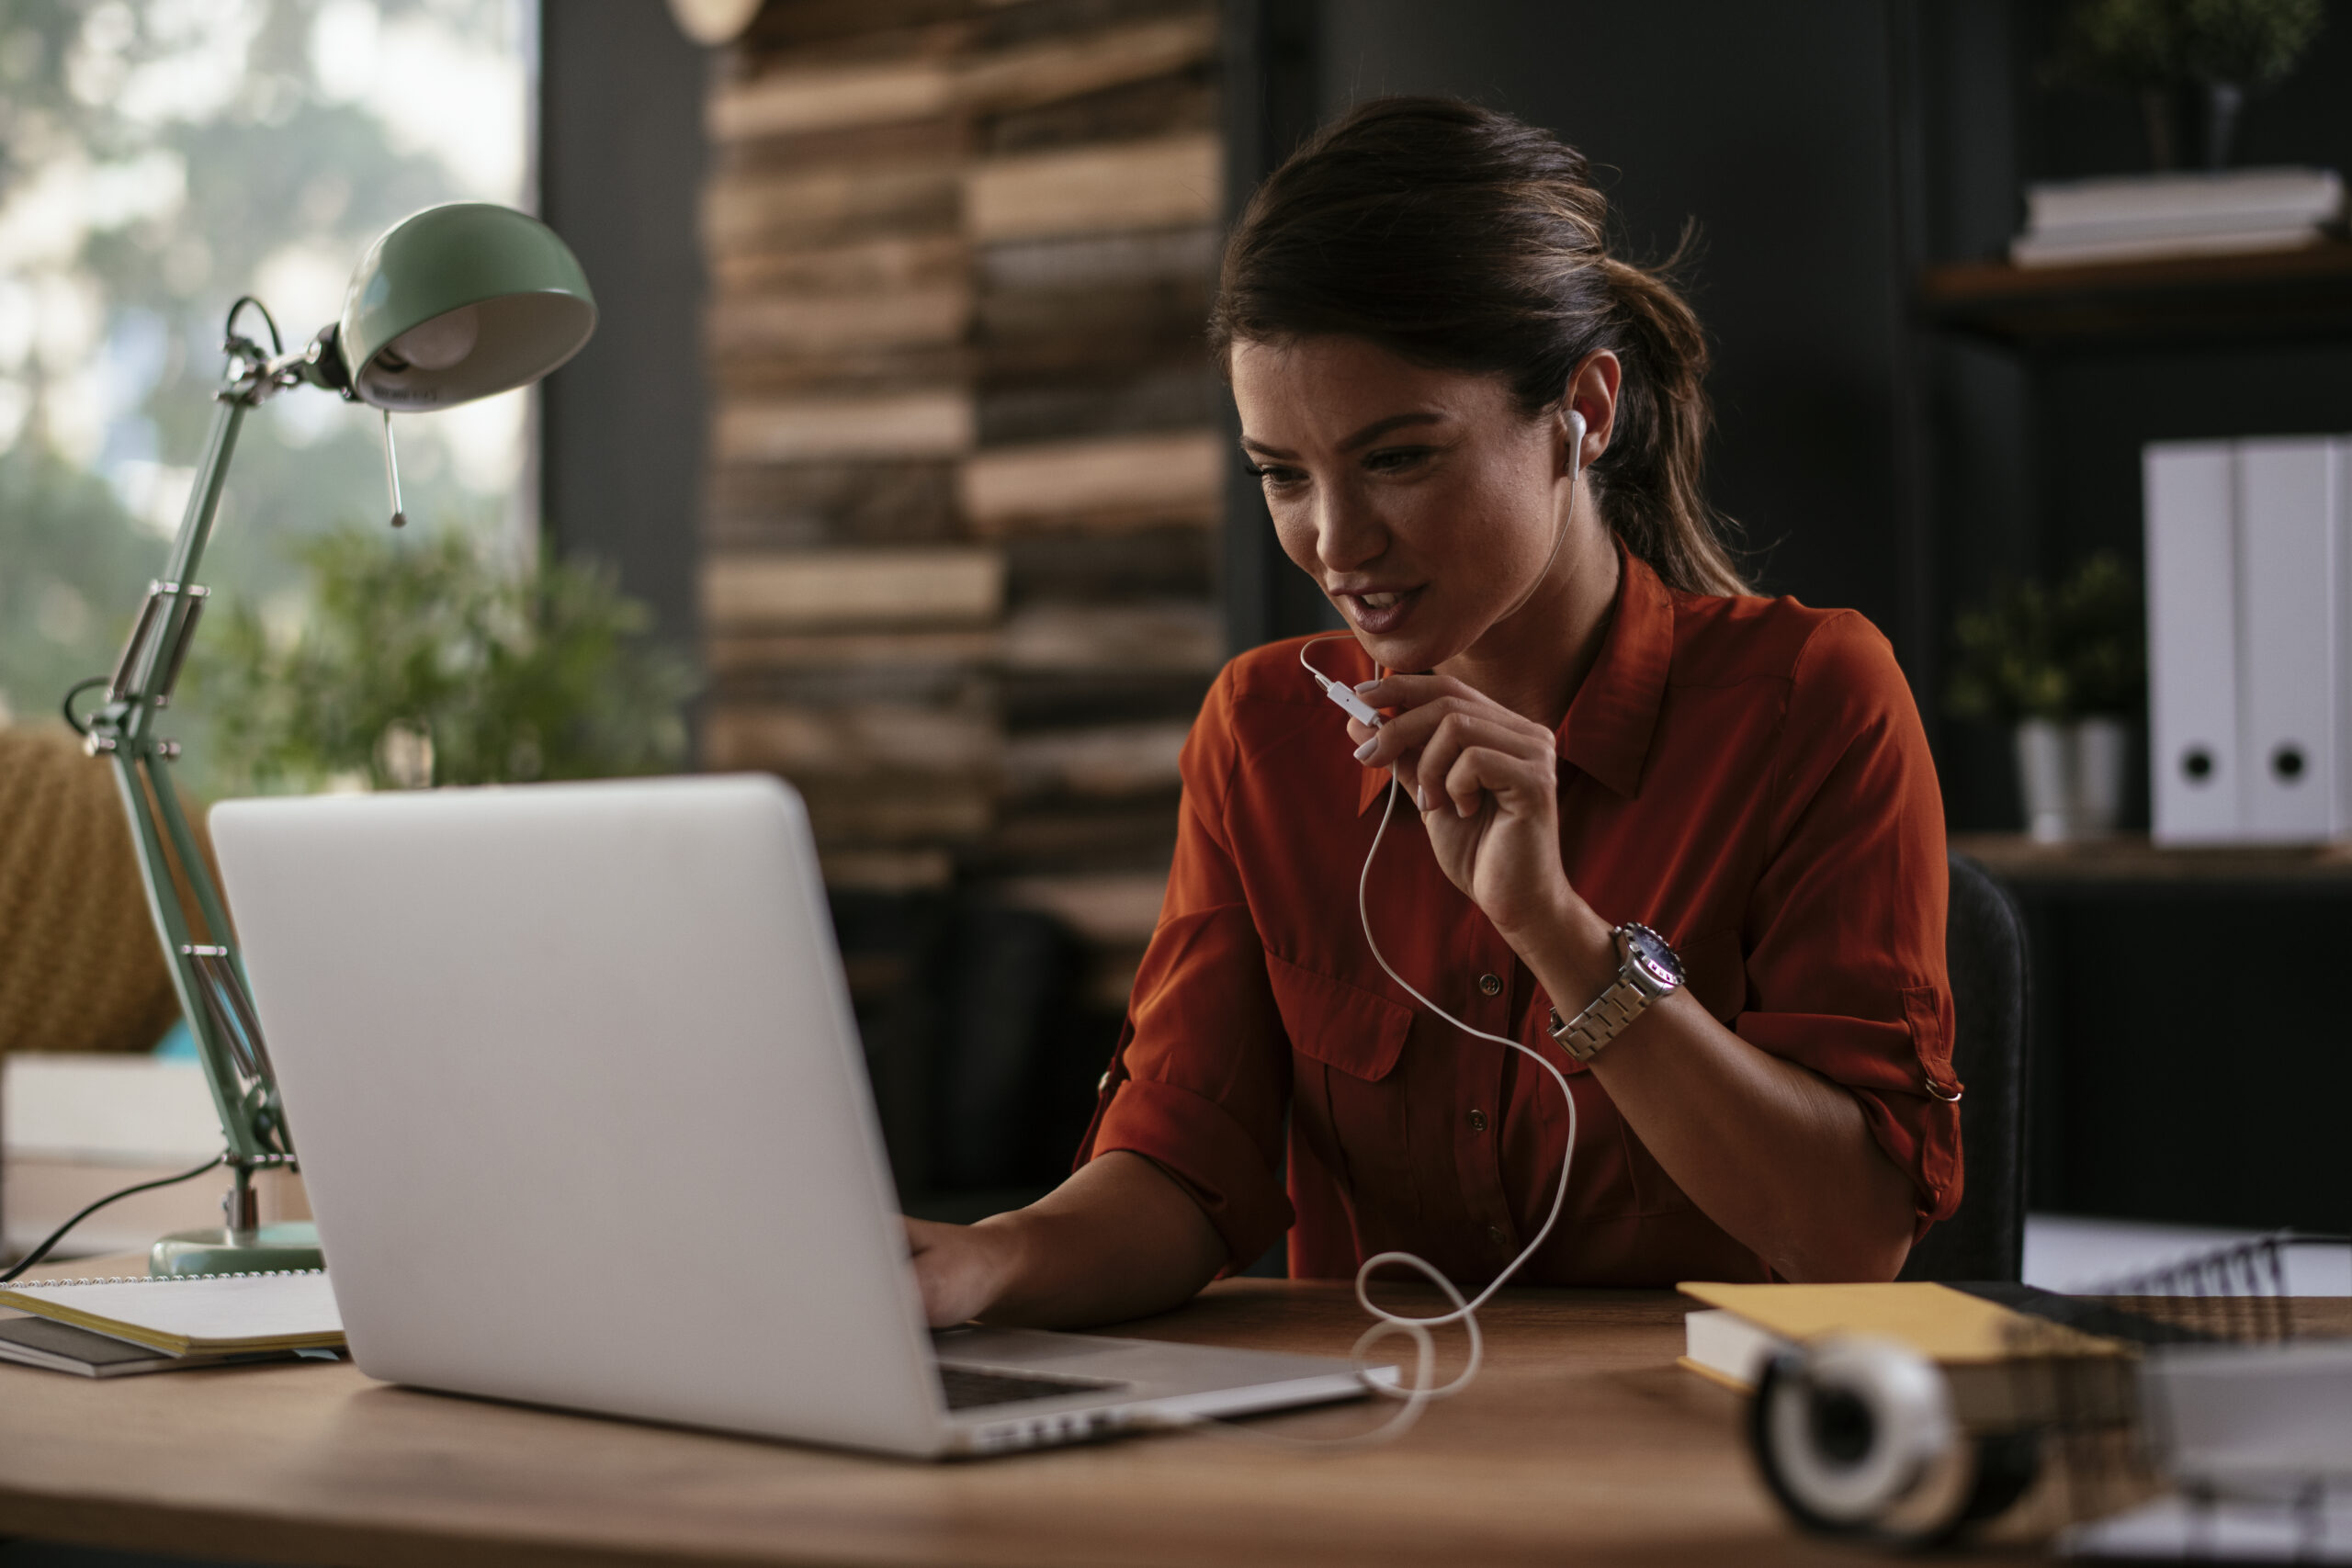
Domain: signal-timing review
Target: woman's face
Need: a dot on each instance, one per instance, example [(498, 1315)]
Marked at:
[(1422, 501)]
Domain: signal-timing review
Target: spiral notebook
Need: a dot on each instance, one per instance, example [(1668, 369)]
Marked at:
[(199, 1315)]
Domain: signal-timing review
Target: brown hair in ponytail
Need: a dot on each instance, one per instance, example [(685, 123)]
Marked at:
[(1459, 237)]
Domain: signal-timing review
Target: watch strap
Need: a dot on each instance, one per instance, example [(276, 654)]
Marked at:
[(1607, 1015), (1602, 1020)]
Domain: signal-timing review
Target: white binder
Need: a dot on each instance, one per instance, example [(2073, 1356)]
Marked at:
[(2339, 824), (2193, 745), (2288, 606)]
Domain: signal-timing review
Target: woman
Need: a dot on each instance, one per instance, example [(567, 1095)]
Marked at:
[(1481, 435)]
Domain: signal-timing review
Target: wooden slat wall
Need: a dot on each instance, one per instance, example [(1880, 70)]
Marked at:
[(966, 473)]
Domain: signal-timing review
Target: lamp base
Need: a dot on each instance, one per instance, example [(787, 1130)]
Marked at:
[(265, 1249)]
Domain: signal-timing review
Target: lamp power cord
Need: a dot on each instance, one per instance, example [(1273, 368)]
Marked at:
[(38, 1252)]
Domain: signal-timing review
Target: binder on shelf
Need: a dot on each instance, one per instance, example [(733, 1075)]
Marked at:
[(2340, 653), (2193, 745), (2289, 600)]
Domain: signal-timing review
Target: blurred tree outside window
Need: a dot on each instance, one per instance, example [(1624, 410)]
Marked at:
[(158, 158)]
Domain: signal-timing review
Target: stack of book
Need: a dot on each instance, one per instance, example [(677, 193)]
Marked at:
[(2144, 217), (966, 475)]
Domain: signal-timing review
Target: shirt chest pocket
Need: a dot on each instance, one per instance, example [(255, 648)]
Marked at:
[(1338, 1024), (1346, 1043)]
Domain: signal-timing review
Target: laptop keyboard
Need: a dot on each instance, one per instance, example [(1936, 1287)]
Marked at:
[(969, 1388)]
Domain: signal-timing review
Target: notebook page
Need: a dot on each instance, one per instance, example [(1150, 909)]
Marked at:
[(204, 1312)]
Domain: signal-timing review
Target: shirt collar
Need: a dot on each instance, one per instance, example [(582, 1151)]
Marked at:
[(1608, 729)]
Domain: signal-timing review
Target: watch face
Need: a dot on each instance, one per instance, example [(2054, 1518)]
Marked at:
[(1649, 950)]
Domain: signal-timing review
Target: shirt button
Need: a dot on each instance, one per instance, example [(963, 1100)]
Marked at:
[(1491, 984), (1495, 1234), (1478, 1121)]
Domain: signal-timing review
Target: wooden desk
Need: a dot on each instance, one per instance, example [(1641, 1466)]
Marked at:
[(1581, 1442)]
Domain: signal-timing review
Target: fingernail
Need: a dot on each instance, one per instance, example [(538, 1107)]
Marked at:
[(1364, 753), (1420, 797), (1363, 686)]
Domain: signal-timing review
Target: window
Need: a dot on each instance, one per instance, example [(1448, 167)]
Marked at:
[(158, 158)]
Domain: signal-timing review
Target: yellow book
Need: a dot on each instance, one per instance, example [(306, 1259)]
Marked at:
[(2003, 1367), (212, 1313)]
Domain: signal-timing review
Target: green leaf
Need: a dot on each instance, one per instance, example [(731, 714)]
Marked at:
[(515, 676)]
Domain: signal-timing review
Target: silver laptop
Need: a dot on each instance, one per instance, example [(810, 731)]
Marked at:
[(585, 1121)]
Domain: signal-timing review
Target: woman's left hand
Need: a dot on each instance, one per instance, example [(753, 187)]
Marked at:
[(1486, 782)]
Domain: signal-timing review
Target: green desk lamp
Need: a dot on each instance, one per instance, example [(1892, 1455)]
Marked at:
[(454, 303)]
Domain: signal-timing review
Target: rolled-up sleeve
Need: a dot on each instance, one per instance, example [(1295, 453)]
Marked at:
[(1845, 940), (1200, 1077)]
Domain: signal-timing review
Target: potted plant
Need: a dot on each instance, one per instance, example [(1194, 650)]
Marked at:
[(429, 662), (2231, 48), (2064, 669), (2150, 50)]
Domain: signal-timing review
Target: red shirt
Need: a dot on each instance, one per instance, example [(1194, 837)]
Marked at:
[(1748, 776)]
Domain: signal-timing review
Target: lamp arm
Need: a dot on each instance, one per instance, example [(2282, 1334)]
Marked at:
[(207, 973)]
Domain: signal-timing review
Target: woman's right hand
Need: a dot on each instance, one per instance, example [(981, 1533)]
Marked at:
[(962, 1271), (1119, 1239)]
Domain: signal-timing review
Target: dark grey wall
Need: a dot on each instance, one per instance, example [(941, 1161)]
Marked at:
[(620, 167)]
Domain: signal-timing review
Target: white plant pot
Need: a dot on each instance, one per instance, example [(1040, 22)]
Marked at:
[(2044, 779), (2101, 760), (2070, 777)]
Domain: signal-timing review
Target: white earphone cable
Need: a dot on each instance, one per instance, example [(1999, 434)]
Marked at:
[(1420, 1392)]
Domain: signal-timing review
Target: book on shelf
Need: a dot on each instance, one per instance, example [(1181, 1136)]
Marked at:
[(2148, 215)]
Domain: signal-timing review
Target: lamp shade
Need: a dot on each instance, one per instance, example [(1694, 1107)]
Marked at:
[(458, 302)]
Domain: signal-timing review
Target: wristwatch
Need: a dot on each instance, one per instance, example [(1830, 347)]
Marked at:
[(1647, 970)]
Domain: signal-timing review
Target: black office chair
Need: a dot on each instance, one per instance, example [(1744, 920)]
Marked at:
[(1985, 948)]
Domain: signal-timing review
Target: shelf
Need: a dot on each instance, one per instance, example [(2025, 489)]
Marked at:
[(2130, 861), (2301, 293)]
